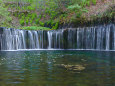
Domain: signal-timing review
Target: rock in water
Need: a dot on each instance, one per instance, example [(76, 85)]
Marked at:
[(72, 67)]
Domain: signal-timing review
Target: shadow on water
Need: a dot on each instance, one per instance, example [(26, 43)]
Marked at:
[(57, 68)]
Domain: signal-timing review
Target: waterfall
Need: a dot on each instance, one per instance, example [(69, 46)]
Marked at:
[(101, 37), (49, 39)]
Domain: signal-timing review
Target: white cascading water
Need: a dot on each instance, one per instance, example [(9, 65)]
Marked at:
[(49, 39), (100, 37)]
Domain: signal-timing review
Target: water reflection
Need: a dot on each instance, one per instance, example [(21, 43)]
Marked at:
[(39, 68)]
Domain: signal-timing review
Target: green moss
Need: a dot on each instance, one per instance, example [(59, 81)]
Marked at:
[(35, 28)]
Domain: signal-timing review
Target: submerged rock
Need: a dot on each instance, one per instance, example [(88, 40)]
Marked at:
[(72, 67)]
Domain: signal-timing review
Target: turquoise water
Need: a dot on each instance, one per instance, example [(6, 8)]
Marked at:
[(57, 68)]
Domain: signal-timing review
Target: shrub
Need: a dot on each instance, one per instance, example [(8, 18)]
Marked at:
[(55, 26), (41, 23)]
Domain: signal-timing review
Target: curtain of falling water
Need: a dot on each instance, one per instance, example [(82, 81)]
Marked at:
[(100, 37)]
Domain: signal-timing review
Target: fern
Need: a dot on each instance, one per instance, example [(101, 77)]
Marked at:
[(73, 7)]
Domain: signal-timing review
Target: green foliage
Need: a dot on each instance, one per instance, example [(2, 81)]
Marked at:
[(37, 21), (30, 8), (73, 7), (22, 22), (27, 21), (94, 2), (41, 23), (84, 10), (5, 19), (88, 3), (48, 22), (31, 22), (42, 12), (78, 8), (55, 26)]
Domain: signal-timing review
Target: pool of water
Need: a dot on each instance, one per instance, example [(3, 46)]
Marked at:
[(57, 68)]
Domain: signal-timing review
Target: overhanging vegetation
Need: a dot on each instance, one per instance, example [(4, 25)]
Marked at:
[(50, 13)]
